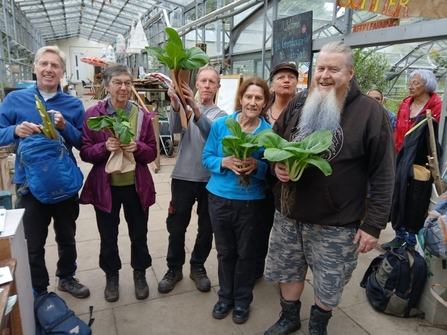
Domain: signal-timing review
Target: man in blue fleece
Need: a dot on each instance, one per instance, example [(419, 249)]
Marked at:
[(19, 118)]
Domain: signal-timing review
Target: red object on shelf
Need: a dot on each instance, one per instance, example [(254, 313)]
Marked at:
[(95, 61)]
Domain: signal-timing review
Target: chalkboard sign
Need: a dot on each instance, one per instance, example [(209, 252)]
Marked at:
[(292, 42), (226, 97)]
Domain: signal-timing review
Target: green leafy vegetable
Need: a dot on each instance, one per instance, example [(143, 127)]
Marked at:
[(175, 56), (241, 145), (118, 126), (297, 156)]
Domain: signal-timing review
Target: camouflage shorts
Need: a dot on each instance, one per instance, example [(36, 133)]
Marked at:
[(327, 250)]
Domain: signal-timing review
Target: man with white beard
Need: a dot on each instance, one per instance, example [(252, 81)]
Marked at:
[(323, 231)]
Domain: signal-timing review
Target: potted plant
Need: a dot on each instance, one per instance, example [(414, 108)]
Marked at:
[(180, 62)]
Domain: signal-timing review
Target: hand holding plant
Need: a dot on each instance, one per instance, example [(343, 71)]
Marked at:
[(241, 146), (180, 61), (118, 127), (296, 157)]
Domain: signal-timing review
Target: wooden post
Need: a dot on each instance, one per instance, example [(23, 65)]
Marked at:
[(156, 126), (433, 159)]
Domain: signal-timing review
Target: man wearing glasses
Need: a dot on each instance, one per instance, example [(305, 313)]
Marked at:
[(189, 179)]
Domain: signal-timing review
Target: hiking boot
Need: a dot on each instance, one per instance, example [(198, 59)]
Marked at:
[(74, 287), (395, 243), (169, 280), (221, 310), (318, 321), (111, 292), (141, 288), (240, 314), (289, 319), (198, 274)]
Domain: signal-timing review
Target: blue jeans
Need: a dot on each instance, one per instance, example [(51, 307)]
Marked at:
[(408, 237)]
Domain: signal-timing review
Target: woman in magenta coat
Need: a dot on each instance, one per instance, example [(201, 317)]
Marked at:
[(134, 190)]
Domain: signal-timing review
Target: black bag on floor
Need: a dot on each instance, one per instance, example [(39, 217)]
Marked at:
[(54, 317), (394, 281)]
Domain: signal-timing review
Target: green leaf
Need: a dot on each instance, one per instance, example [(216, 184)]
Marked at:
[(176, 54), (99, 122), (119, 125), (298, 155), (277, 155), (194, 58), (228, 151), (271, 140), (174, 37), (317, 142), (155, 51), (234, 127), (125, 133), (320, 163)]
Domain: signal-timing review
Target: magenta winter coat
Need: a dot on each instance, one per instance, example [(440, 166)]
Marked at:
[(96, 189)]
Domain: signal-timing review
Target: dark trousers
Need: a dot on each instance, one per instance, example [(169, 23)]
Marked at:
[(136, 218), (235, 229), (36, 220), (266, 223), (183, 196)]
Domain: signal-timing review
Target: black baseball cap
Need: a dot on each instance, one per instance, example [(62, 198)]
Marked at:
[(283, 66)]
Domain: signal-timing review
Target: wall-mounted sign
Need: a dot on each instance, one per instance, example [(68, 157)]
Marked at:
[(375, 25), (292, 42), (436, 9)]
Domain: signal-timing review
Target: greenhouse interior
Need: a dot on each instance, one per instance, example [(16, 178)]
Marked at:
[(243, 38)]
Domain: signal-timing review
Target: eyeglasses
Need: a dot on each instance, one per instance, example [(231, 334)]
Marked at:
[(115, 83)]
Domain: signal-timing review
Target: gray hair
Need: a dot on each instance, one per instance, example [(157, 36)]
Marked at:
[(115, 70), (53, 49), (340, 47), (205, 68), (429, 79)]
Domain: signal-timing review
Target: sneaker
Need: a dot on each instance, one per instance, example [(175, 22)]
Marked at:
[(141, 288), (198, 274), (395, 243), (74, 287), (111, 292), (169, 280)]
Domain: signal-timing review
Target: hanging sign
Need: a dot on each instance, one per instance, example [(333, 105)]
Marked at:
[(292, 42), (436, 9), (379, 24)]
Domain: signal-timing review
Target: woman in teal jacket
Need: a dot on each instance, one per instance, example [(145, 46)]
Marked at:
[(234, 209)]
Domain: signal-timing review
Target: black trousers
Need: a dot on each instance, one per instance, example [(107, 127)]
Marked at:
[(136, 218), (36, 219), (183, 196), (235, 225)]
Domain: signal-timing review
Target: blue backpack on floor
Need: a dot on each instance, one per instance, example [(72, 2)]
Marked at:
[(51, 174), (54, 317), (394, 281)]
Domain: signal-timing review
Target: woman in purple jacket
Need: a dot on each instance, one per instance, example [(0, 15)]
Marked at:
[(133, 190)]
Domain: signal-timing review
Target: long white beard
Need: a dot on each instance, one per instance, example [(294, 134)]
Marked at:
[(322, 111)]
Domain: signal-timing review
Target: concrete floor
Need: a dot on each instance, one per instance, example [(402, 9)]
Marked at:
[(187, 311)]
